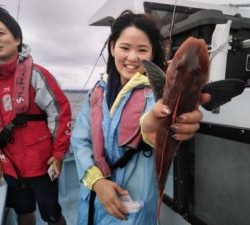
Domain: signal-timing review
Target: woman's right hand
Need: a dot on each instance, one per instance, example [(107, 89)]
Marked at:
[(107, 192)]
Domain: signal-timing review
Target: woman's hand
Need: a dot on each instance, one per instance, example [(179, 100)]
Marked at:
[(57, 165), (185, 126), (107, 191), (152, 119)]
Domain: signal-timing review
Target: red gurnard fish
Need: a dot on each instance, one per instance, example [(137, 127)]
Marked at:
[(180, 89)]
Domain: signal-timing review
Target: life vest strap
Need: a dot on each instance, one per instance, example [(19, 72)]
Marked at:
[(19, 121), (22, 119)]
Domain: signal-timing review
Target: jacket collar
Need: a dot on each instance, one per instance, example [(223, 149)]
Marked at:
[(136, 81)]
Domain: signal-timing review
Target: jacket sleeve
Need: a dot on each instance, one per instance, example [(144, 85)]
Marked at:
[(81, 143), (149, 105), (51, 99)]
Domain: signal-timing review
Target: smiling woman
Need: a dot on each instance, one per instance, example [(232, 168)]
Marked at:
[(30, 101), (114, 162)]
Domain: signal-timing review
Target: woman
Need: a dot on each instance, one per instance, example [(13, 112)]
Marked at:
[(108, 126), (34, 129)]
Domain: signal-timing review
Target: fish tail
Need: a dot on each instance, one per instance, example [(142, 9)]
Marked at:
[(159, 203)]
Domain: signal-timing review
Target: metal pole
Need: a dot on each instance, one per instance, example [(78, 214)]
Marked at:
[(18, 9)]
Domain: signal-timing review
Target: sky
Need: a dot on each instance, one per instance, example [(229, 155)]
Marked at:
[(61, 39)]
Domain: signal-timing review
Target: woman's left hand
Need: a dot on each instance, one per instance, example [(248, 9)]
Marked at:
[(57, 165), (186, 125)]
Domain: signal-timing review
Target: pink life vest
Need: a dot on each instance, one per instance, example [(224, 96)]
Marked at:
[(22, 79), (21, 86), (129, 129)]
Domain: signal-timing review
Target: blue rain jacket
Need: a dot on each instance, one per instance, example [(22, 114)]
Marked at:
[(138, 176)]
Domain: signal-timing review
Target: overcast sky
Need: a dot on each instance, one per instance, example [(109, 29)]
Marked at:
[(60, 37)]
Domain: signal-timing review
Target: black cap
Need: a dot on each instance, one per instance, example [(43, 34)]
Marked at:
[(12, 25)]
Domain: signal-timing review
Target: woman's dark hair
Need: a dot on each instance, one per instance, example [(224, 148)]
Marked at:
[(148, 25)]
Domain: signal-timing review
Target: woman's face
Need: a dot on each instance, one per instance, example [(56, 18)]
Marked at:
[(132, 46), (8, 44)]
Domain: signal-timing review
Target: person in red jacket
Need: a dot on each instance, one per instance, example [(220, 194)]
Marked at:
[(35, 119)]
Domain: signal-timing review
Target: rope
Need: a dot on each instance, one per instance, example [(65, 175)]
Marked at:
[(92, 71)]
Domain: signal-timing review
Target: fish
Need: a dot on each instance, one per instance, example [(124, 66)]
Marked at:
[(179, 88)]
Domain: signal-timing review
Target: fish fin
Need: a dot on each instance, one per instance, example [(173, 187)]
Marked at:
[(222, 91), (156, 77)]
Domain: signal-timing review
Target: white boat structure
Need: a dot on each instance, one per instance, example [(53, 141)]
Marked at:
[(209, 179)]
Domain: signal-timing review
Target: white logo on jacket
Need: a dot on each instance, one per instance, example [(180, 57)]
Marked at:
[(20, 99), (7, 104), (2, 157), (6, 89)]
